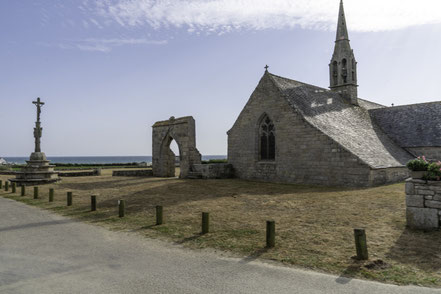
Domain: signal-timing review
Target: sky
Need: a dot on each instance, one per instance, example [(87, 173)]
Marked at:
[(108, 69)]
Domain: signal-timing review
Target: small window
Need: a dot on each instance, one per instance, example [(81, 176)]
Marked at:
[(267, 139)]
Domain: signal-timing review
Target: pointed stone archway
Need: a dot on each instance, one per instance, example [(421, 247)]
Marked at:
[(183, 131)]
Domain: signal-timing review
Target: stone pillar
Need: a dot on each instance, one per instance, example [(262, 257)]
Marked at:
[(423, 204)]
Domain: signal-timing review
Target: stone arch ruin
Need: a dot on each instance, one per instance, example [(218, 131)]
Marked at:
[(183, 131)]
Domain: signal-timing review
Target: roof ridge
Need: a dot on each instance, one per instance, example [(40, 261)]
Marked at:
[(414, 104), (306, 84)]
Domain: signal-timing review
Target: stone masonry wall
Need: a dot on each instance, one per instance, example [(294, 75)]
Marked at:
[(214, 170), (423, 204), (133, 173), (384, 176), (303, 154), (431, 153)]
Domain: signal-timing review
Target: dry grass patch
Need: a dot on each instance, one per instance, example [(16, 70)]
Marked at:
[(314, 225)]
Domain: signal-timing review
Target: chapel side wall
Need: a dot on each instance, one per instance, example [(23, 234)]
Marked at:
[(390, 175), (431, 153), (303, 154)]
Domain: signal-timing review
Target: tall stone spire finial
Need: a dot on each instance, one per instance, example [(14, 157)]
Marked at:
[(342, 30), (343, 67)]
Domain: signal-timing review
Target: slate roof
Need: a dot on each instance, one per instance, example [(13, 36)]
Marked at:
[(350, 126), (415, 125)]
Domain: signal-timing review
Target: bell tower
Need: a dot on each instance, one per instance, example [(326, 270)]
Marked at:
[(343, 67)]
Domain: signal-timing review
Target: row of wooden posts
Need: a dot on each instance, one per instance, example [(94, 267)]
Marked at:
[(359, 234)]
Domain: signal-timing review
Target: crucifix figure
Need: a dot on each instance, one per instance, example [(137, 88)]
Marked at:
[(38, 103), (38, 129)]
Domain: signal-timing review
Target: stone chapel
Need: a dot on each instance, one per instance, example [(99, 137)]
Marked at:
[(294, 132)]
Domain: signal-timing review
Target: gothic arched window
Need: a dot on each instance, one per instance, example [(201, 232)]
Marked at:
[(267, 139)]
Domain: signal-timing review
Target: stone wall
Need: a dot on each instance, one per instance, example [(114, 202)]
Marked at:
[(423, 204), (431, 153), (304, 155), (95, 172), (7, 172), (133, 173), (384, 176), (214, 170)]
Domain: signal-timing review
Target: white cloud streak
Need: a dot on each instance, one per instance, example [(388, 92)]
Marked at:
[(226, 15), (102, 45)]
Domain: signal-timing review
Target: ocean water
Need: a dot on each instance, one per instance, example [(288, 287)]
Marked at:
[(99, 159)]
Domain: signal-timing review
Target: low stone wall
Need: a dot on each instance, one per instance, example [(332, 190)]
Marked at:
[(7, 172), (133, 173), (423, 204), (214, 170), (95, 172)]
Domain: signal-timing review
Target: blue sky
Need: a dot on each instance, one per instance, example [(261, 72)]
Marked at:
[(108, 69)]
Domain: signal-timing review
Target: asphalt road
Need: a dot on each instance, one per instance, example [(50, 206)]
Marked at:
[(41, 252)]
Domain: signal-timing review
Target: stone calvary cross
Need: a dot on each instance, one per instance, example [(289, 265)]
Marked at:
[(38, 103), (38, 130)]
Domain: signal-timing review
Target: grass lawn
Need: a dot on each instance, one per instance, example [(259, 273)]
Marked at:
[(314, 225)]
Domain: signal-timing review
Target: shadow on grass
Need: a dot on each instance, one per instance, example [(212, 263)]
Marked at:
[(189, 239), (255, 255), (182, 191), (349, 273), (110, 183), (417, 248)]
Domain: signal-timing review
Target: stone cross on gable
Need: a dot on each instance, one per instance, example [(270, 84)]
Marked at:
[(266, 67), (38, 103)]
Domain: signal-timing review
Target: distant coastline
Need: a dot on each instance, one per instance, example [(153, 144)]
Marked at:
[(99, 159)]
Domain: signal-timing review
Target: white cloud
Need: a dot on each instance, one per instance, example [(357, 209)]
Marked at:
[(228, 15), (101, 45), (106, 45), (93, 47)]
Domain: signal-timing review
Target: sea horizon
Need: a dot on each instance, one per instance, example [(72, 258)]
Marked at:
[(97, 159)]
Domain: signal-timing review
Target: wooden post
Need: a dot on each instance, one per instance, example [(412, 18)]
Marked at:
[(159, 219), (51, 194), (93, 203), (14, 187), (270, 234), (122, 207), (36, 192), (361, 244), (6, 186), (205, 222), (23, 190), (69, 198)]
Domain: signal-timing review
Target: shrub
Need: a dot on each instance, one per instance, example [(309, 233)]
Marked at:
[(418, 164), (434, 171)]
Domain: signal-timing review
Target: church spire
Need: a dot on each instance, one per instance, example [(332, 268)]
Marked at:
[(342, 30), (343, 67)]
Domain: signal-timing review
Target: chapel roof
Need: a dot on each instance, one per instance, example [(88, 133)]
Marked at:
[(350, 126), (415, 125)]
